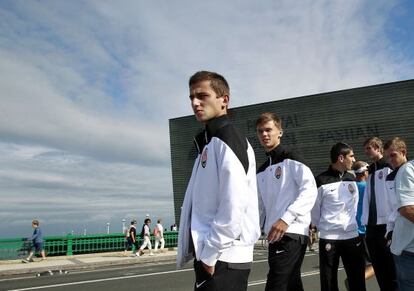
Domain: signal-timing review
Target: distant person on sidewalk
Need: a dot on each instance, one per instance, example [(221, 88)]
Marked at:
[(146, 237), (37, 243), (131, 237), (159, 236)]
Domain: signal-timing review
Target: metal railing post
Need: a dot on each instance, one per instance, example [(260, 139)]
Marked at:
[(69, 250)]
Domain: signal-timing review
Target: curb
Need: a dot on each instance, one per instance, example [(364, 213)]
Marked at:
[(70, 266)]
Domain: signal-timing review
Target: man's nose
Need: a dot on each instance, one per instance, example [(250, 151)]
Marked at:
[(195, 102)]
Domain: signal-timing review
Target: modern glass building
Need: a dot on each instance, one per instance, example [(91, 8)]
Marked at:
[(312, 124)]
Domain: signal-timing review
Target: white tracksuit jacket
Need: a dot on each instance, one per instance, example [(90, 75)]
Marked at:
[(334, 213), (379, 170), (287, 191), (392, 196), (220, 217)]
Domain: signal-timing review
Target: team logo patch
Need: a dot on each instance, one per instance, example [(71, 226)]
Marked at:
[(278, 172), (380, 175), (204, 158), (328, 247), (351, 188)]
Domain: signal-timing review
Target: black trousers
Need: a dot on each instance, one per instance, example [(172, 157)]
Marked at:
[(226, 277), (381, 257), (285, 259), (351, 251)]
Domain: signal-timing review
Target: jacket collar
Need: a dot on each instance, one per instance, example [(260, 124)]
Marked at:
[(381, 163), (212, 126), (275, 152), (276, 155), (336, 173)]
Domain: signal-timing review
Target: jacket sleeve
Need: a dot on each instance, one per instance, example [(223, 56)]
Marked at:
[(392, 202), (234, 197), (307, 192), (184, 245), (316, 210), (405, 187), (365, 203), (262, 209)]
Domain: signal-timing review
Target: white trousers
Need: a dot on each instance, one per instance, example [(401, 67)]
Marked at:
[(159, 240), (147, 242)]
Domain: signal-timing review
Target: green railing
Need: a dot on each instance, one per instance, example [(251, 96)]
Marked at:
[(13, 248)]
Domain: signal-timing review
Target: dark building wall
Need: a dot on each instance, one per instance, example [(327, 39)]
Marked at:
[(312, 124)]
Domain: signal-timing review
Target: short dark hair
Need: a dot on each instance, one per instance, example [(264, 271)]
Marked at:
[(340, 149), (147, 220), (269, 116), (217, 82)]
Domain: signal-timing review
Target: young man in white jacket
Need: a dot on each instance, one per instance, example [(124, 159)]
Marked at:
[(403, 238), (334, 214), (395, 152), (376, 213), (219, 222), (287, 193)]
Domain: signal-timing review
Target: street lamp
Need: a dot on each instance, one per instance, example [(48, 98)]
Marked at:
[(107, 227), (123, 225)]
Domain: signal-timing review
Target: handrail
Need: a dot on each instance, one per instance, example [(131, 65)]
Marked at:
[(13, 248)]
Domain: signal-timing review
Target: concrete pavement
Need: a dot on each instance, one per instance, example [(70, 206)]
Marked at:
[(85, 261)]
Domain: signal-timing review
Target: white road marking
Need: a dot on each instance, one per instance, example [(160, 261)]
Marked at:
[(101, 280), (144, 275), (305, 274)]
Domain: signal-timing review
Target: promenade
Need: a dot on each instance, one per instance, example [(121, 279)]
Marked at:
[(57, 264)]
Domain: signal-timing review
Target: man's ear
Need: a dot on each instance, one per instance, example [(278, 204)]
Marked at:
[(226, 100), (341, 158), (281, 133)]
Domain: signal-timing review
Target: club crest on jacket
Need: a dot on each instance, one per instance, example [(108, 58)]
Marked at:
[(380, 175), (278, 172), (351, 188)]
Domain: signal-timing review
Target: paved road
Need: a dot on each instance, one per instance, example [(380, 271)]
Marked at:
[(156, 276)]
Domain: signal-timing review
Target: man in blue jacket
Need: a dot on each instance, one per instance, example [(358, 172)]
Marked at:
[(37, 242), (219, 222)]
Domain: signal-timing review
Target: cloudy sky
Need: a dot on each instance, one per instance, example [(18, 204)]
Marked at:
[(87, 88)]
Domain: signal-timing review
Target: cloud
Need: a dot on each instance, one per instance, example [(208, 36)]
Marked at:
[(66, 191), (87, 88)]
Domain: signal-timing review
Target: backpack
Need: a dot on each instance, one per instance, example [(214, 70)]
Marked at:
[(142, 231), (156, 231)]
